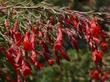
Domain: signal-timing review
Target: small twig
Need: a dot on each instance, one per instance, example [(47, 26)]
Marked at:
[(54, 9), (19, 7)]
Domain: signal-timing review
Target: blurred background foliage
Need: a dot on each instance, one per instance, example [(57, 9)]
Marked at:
[(77, 69)]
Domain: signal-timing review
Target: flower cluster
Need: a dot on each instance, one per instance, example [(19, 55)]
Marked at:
[(46, 39)]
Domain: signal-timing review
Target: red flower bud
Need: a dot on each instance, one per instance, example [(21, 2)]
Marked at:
[(7, 24), (15, 27), (51, 62)]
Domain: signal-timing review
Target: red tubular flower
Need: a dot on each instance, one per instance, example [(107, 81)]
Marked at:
[(10, 56), (74, 21), (68, 21), (97, 56), (17, 43), (17, 36), (51, 62), (58, 45), (26, 69), (33, 57), (26, 43), (98, 41), (58, 42), (15, 66), (59, 34), (94, 74), (95, 29), (104, 46), (33, 40), (19, 57)]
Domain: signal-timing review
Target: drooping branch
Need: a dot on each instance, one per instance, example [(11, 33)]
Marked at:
[(49, 36), (52, 8)]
